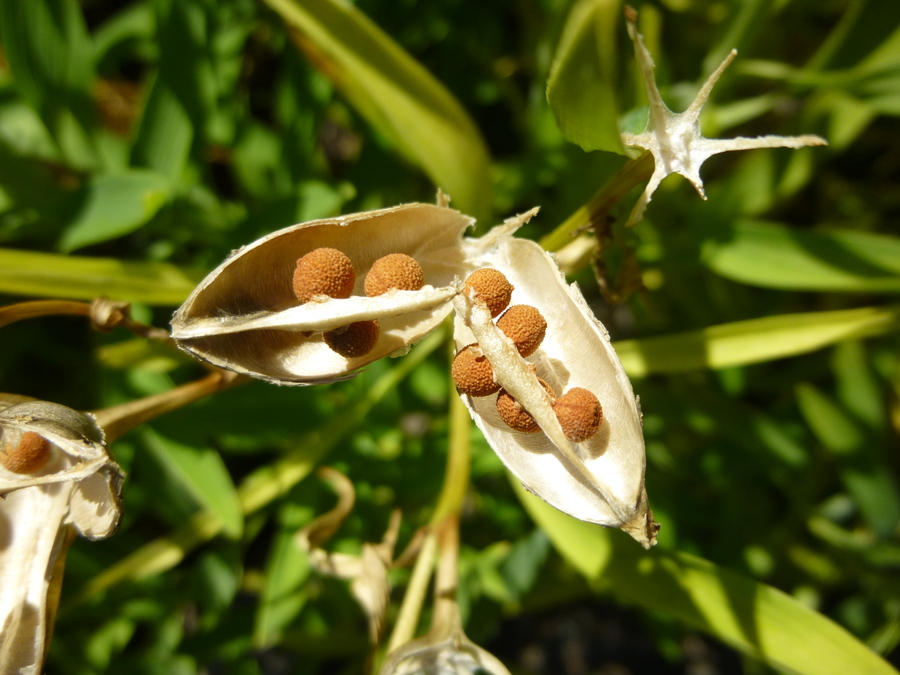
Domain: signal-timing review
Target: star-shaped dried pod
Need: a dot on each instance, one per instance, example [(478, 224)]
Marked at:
[(675, 139), (266, 312), (57, 480)]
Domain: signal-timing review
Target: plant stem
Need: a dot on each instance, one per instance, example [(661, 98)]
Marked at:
[(634, 172)]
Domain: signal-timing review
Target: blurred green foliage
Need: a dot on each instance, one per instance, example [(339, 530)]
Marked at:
[(152, 137)]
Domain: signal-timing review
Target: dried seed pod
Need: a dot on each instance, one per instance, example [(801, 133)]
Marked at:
[(472, 372), (30, 455), (602, 479), (525, 326), (514, 415), (355, 340), (324, 271), (579, 413), (244, 316), (490, 286), (396, 271)]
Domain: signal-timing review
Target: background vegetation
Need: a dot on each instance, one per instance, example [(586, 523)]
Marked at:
[(140, 142)]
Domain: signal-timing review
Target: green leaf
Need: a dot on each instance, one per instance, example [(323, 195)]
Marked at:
[(284, 593), (774, 256), (753, 617), (397, 96), (581, 88), (59, 276), (753, 341), (164, 134), (203, 474), (866, 474), (112, 206), (50, 53)]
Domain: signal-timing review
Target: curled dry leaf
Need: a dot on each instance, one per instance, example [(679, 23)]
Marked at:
[(74, 490), (245, 317)]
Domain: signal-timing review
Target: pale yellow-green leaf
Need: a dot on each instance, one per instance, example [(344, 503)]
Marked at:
[(753, 341)]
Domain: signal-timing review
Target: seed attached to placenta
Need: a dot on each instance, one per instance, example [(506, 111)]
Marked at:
[(492, 287), (473, 373), (324, 271), (396, 271)]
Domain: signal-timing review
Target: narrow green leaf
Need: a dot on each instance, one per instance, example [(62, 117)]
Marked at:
[(284, 594), (203, 474), (397, 96), (866, 474), (774, 256), (753, 341), (164, 134), (581, 88), (858, 387), (753, 617), (59, 276), (112, 206)]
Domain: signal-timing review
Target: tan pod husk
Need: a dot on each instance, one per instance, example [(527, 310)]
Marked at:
[(244, 316), (78, 491), (602, 479)]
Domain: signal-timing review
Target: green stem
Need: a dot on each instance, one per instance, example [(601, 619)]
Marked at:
[(634, 172), (261, 487), (414, 597)]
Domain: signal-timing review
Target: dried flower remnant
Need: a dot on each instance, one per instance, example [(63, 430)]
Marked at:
[(396, 271), (525, 326), (323, 272), (472, 372), (491, 287), (75, 491), (675, 139)]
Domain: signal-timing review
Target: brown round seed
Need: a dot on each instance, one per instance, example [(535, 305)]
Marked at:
[(492, 287), (525, 326), (30, 455), (579, 413), (395, 271), (473, 373), (514, 415), (324, 271), (355, 340)]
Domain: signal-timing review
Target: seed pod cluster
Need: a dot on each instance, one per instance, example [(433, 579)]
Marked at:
[(328, 273), (579, 411)]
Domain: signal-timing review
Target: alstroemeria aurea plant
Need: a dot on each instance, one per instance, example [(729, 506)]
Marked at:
[(675, 139)]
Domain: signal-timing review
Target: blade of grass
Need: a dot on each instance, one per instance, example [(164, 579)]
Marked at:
[(753, 341)]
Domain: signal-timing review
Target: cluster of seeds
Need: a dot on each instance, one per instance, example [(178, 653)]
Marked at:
[(329, 272), (578, 410), (30, 455)]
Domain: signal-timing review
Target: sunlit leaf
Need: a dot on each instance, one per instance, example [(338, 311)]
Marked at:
[(112, 206), (396, 95), (757, 619), (775, 256), (58, 276), (582, 84), (753, 341), (202, 473)]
